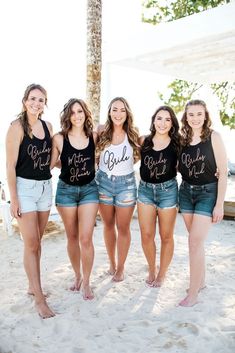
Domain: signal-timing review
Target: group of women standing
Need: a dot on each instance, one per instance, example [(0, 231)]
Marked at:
[(198, 153)]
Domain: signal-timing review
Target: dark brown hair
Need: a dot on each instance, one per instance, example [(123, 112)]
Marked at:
[(173, 133), (186, 130), (66, 113)]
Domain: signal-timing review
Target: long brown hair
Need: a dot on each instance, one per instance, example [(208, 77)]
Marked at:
[(66, 113), (23, 116), (173, 133), (128, 126), (186, 130)]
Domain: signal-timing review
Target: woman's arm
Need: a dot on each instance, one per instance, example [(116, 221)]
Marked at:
[(221, 162), (100, 129), (14, 138), (141, 140), (95, 137), (57, 144)]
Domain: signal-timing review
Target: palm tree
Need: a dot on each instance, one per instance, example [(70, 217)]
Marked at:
[(94, 56)]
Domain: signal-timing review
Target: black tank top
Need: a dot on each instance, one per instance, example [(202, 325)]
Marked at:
[(197, 163), (34, 156), (77, 166), (158, 166)]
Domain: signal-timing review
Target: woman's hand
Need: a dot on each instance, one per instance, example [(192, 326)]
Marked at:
[(218, 214), (15, 209)]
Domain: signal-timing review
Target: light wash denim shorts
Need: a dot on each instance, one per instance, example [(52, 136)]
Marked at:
[(34, 195), (75, 195), (120, 191), (199, 199), (163, 195)]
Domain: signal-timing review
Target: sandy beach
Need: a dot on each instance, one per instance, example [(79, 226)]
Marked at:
[(124, 317)]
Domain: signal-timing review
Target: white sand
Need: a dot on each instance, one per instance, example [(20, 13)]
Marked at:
[(124, 317)]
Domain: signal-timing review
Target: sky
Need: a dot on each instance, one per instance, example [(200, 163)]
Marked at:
[(45, 42)]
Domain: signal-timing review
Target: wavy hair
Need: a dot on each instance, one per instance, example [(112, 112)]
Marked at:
[(186, 130), (106, 135), (66, 113), (23, 116), (173, 133)]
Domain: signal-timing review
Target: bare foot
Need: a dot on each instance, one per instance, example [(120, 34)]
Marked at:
[(158, 282), (187, 301), (149, 280), (111, 272), (77, 285), (87, 293), (118, 276), (43, 310)]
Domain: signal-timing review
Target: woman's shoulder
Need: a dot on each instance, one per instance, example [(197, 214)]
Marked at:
[(95, 136), (16, 127), (216, 137), (15, 133), (16, 123), (215, 134), (49, 126), (100, 129), (142, 139), (58, 137)]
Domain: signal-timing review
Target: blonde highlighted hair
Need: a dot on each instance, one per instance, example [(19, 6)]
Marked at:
[(23, 117), (106, 135)]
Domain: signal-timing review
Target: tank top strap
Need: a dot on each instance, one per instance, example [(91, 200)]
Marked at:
[(45, 128)]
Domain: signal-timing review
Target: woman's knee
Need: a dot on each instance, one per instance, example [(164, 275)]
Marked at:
[(123, 229), (86, 241), (72, 240), (147, 237), (33, 245), (195, 243), (109, 225), (167, 238)]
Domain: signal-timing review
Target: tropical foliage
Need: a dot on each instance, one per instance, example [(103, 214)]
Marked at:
[(156, 11), (179, 91)]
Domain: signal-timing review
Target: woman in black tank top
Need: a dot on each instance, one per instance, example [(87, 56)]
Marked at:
[(28, 148), (158, 191), (77, 194), (201, 194)]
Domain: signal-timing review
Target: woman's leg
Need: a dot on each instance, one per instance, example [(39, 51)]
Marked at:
[(123, 220), (166, 221), (29, 228), (197, 234), (147, 217), (86, 228), (42, 222), (108, 216), (69, 217)]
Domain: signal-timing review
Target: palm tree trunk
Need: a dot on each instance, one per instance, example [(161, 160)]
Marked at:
[(94, 56)]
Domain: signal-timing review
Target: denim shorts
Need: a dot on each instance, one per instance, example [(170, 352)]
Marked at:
[(120, 191), (75, 195), (163, 195), (34, 195), (199, 199)]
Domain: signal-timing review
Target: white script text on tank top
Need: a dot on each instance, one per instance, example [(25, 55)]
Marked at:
[(117, 159)]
